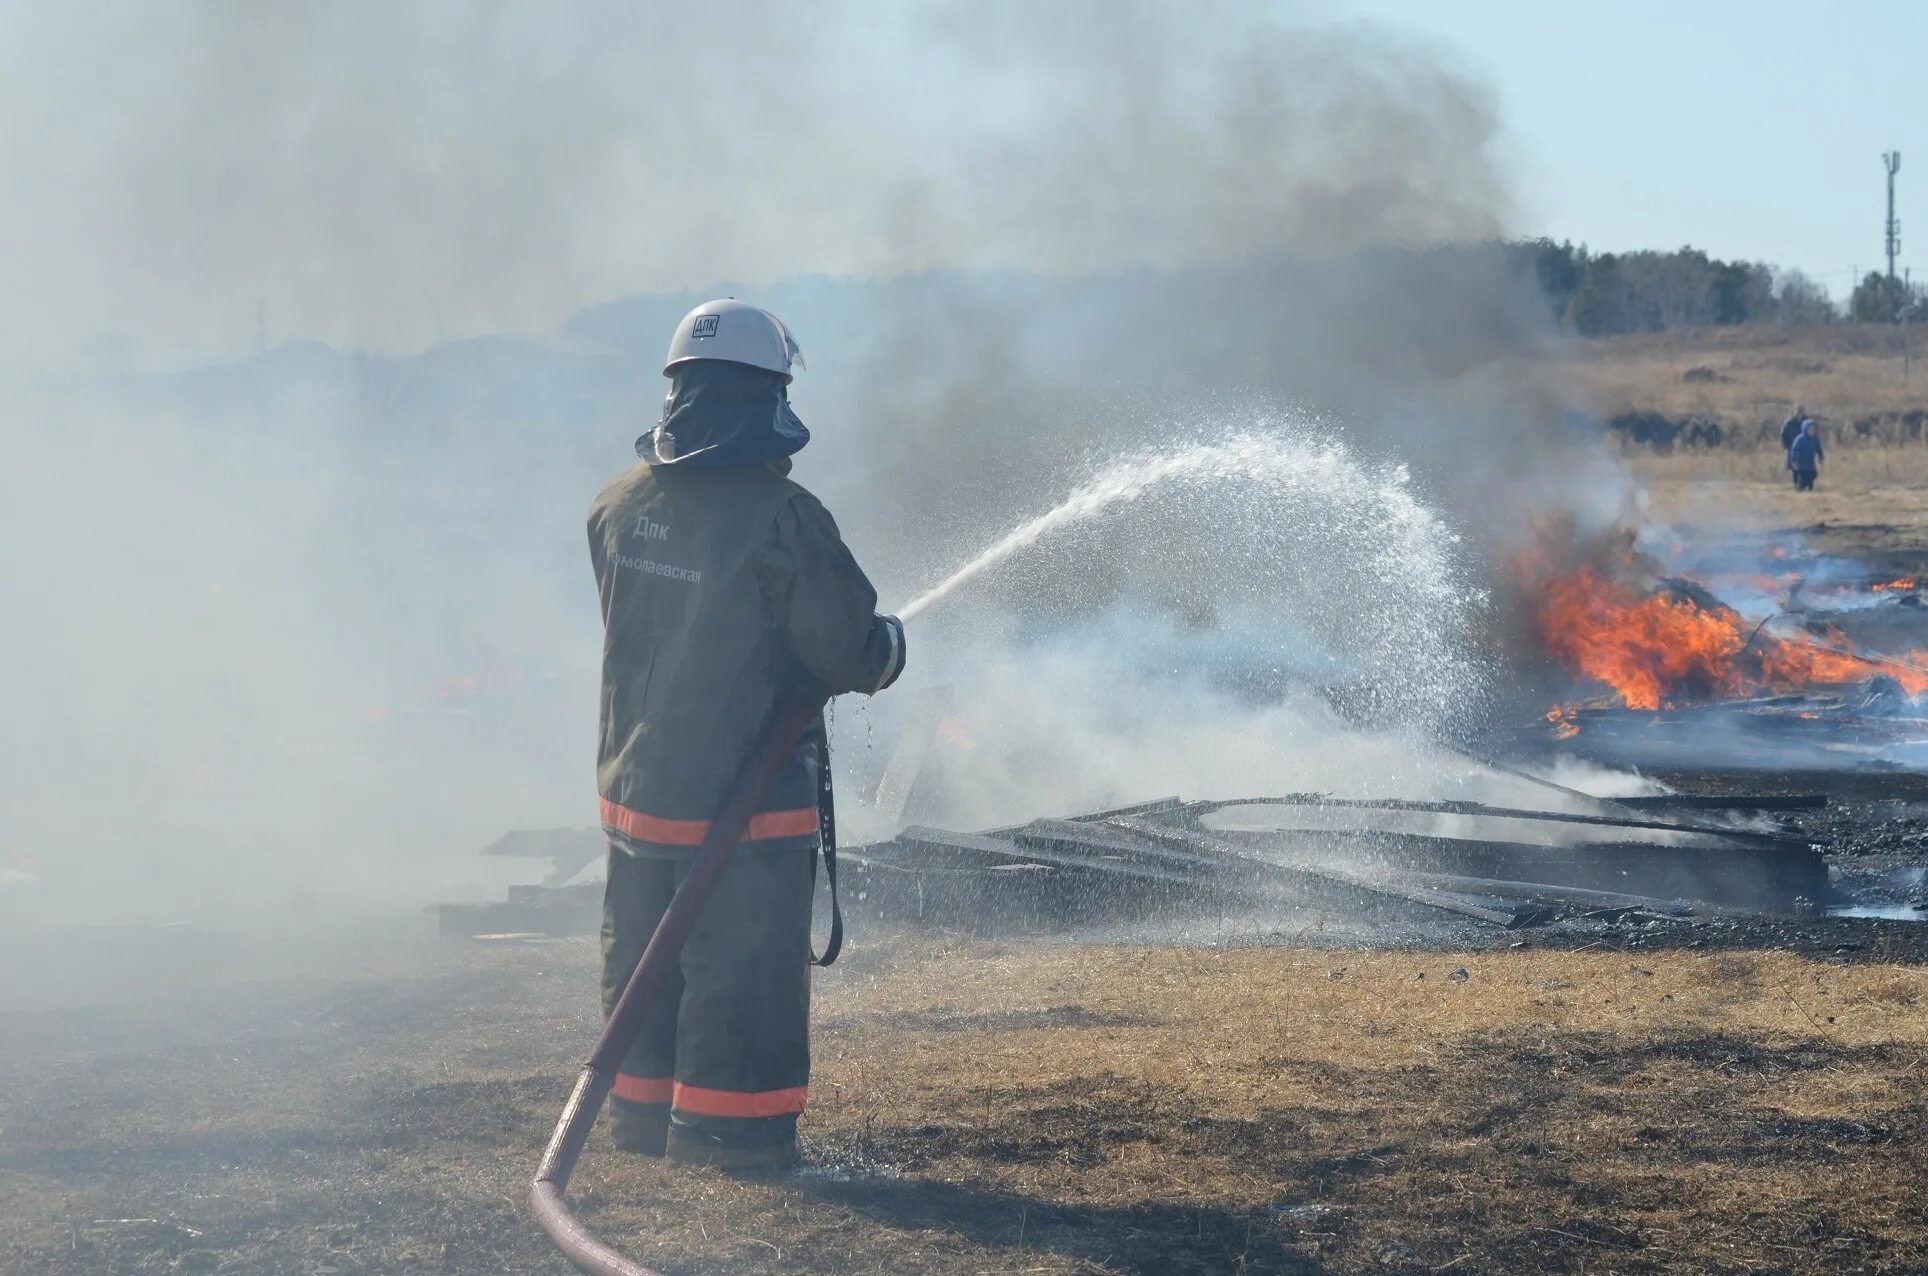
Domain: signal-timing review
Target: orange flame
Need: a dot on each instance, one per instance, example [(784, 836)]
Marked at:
[(1657, 649), (1644, 648), (1787, 665)]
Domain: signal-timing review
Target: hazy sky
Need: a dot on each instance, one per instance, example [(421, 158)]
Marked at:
[(397, 173), (1748, 129)]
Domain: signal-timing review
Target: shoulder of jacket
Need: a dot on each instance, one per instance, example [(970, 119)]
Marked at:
[(797, 513), (802, 500), (620, 488)]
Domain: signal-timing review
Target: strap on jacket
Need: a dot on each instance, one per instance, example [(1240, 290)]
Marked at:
[(827, 828)]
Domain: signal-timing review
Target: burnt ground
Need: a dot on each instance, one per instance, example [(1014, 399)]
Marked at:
[(1875, 820), (1009, 1107), (1875, 833)]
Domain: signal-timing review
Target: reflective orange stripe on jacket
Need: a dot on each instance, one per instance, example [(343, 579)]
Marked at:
[(765, 825)]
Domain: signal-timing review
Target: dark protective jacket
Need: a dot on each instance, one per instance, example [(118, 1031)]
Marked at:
[(724, 591), (1806, 454), (1791, 430)]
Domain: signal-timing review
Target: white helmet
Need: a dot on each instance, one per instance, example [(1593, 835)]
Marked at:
[(736, 331)]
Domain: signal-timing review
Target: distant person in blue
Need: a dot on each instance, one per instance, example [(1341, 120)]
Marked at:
[(1804, 457)]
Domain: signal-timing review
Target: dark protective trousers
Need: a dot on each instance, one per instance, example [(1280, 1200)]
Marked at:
[(723, 1057), (1804, 480)]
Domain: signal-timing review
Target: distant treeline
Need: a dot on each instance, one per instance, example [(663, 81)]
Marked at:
[(1599, 294)]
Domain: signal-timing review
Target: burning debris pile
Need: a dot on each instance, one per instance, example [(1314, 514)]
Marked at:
[(1611, 618), (1678, 645)]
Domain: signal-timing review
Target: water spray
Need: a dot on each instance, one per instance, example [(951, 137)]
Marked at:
[(1270, 519), (1238, 456), (1119, 484)]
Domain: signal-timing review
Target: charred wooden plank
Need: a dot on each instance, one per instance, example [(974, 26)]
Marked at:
[(1657, 802), (1155, 806), (1141, 808), (1103, 844), (983, 898), (999, 851), (1555, 893), (1208, 849), (1771, 877), (1733, 802), (1163, 859), (1555, 786), (1507, 913), (1746, 836), (1671, 801), (980, 884), (934, 848)]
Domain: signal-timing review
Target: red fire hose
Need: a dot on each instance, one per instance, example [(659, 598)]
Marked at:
[(599, 1073)]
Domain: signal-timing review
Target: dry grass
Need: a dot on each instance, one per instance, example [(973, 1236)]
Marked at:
[(1867, 467), (1309, 1111), (1749, 378), (1031, 1109), (1871, 488)]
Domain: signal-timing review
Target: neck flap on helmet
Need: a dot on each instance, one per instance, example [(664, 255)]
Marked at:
[(719, 413)]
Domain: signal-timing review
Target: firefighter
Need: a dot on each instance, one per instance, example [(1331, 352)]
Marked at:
[(725, 590)]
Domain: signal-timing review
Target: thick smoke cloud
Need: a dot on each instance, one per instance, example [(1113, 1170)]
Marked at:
[(390, 175), (318, 624)]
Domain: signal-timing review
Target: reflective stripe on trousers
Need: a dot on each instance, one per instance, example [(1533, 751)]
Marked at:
[(764, 826), (701, 1101)]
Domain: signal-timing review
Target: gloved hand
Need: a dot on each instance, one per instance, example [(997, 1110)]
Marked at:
[(892, 630)]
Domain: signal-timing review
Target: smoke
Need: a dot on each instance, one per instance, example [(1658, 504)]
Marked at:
[(388, 176), (316, 625), (241, 677)]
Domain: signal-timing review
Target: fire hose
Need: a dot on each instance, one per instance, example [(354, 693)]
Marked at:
[(598, 1074)]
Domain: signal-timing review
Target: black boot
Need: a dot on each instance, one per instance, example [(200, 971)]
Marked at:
[(642, 1128), (763, 1146)]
